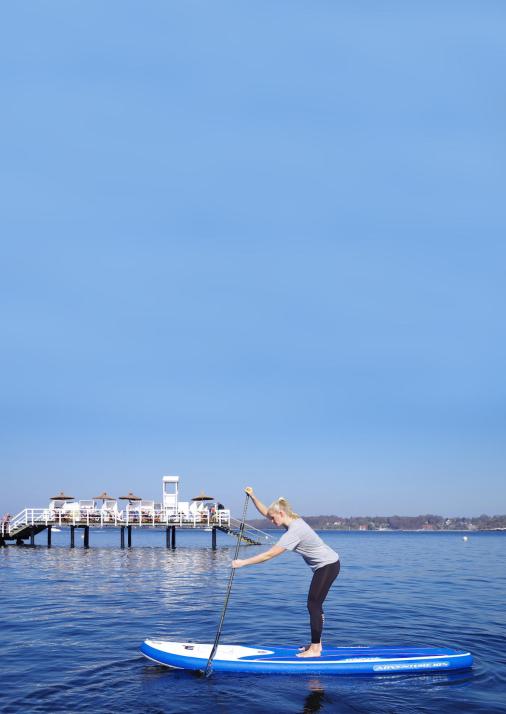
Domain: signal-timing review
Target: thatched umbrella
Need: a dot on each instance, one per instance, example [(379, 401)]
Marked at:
[(61, 497), (104, 496), (130, 497), (202, 497)]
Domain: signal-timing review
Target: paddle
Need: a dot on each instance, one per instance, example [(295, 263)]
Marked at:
[(208, 668)]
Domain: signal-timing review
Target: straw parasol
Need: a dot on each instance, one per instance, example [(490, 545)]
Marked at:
[(130, 497), (104, 496), (202, 497), (61, 497)]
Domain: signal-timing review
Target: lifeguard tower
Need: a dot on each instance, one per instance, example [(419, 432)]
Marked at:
[(170, 494)]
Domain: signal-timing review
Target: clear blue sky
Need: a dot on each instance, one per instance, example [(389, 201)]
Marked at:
[(255, 243)]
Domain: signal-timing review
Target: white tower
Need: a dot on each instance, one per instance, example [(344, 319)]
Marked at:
[(170, 493)]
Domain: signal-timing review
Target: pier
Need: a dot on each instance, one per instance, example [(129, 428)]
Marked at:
[(168, 516)]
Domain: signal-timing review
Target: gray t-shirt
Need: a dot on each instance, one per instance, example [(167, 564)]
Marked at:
[(303, 540)]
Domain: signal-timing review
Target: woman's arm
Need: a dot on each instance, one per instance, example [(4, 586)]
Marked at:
[(261, 508), (261, 558)]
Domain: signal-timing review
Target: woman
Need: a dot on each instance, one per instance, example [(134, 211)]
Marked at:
[(323, 561)]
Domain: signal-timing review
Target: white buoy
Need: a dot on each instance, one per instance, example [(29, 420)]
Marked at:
[(464, 537)]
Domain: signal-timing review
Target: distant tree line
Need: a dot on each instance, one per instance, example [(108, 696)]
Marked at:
[(427, 522)]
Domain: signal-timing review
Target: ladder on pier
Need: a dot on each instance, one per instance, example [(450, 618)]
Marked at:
[(25, 525), (250, 535), (23, 532)]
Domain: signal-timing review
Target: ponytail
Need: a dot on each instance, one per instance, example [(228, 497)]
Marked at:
[(281, 504)]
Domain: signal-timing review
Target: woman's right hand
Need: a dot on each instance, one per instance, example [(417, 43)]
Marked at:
[(249, 490)]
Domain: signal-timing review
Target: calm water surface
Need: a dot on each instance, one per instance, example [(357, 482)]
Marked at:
[(72, 622)]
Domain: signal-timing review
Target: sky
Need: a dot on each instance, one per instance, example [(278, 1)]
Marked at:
[(254, 244)]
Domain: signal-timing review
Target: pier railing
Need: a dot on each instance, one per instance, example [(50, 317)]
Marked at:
[(99, 518), (250, 531)]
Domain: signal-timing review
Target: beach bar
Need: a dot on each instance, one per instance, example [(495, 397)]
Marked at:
[(103, 511)]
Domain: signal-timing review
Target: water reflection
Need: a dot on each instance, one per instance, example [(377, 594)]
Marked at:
[(315, 699)]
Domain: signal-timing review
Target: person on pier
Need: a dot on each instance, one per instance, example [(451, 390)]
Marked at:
[(302, 539)]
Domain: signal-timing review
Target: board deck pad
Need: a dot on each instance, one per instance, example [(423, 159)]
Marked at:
[(334, 660)]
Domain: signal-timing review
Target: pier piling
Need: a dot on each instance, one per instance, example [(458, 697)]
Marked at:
[(86, 536), (129, 536), (122, 536), (173, 538), (72, 537), (213, 539), (49, 536)]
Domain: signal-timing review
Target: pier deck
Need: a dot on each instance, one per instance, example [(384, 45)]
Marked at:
[(31, 521)]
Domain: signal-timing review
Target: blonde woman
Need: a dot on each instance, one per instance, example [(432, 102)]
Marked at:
[(302, 539)]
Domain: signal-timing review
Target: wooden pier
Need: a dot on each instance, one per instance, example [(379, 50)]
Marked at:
[(22, 528), (169, 515)]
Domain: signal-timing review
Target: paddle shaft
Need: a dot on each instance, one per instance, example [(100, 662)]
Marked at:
[(229, 589)]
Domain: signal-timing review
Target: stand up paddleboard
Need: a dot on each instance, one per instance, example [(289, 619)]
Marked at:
[(281, 660)]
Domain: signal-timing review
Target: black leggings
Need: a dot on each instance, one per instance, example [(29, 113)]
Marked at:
[(318, 590)]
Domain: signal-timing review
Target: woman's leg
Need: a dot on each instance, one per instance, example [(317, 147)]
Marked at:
[(318, 591)]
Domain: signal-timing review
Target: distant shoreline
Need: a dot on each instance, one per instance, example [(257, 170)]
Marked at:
[(398, 530), (392, 524)]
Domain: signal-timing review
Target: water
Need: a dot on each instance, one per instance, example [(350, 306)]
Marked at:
[(72, 621)]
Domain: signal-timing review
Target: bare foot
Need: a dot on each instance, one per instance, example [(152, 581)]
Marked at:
[(312, 651), (306, 647)]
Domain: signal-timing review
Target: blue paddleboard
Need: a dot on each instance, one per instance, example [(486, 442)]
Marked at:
[(280, 660)]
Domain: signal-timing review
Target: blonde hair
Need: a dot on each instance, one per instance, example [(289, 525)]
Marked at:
[(281, 504)]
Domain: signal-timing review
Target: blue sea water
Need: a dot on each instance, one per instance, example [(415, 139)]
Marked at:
[(72, 622)]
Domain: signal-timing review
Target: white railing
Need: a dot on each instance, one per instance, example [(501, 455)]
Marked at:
[(250, 531), (26, 517), (99, 518)]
